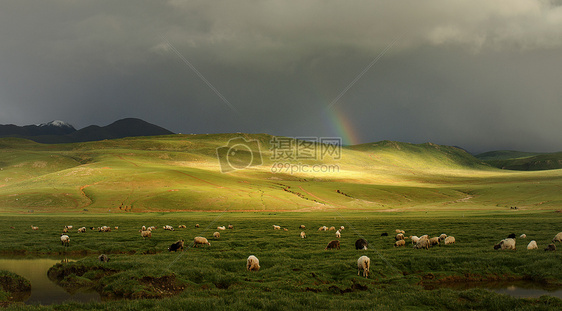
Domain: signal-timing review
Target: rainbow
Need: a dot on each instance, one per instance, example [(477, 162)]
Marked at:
[(342, 126)]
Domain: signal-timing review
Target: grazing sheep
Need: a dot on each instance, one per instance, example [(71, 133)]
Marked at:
[(152, 228), (65, 230), (182, 226), (200, 241), (523, 236), (450, 240), (176, 246), (414, 239), (252, 263), (221, 228), (384, 234), (116, 228), (361, 244), (68, 227), (422, 243), (442, 237), (332, 229), (169, 228), (82, 230), (550, 247), (143, 228), (65, 240), (398, 231), (285, 229), (34, 228), (399, 243), (511, 236), (399, 236), (557, 238), (342, 228), (363, 264), (303, 235), (338, 234), (532, 245), (434, 241), (302, 227), (216, 235), (323, 228), (146, 234), (333, 244), (196, 225), (103, 258), (230, 227), (505, 244), (276, 227), (104, 229)]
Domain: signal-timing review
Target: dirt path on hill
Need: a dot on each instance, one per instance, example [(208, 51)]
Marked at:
[(320, 199), (128, 161)]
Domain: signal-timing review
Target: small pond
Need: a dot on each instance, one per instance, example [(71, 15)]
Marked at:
[(43, 290), (518, 289)]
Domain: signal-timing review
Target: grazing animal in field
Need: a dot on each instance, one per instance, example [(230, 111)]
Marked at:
[(303, 235), (511, 236), (216, 235), (434, 241), (505, 244), (221, 228), (450, 240), (399, 236), (342, 228), (400, 231), (182, 226), (332, 229), (146, 234), (550, 247), (276, 227), (323, 228), (523, 236), (103, 258), (65, 240), (399, 243), (532, 245), (176, 246), (200, 241), (285, 229), (252, 263), (68, 227), (384, 234), (422, 243), (414, 239), (196, 225), (34, 228), (333, 244), (82, 230), (363, 265), (230, 227), (65, 230), (338, 234), (169, 228), (302, 227), (104, 229), (557, 237), (361, 244), (143, 228), (442, 237)]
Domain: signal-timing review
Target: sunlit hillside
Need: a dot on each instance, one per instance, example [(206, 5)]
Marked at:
[(183, 172)]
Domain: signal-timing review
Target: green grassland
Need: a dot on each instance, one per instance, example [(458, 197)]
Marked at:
[(182, 173), (295, 274)]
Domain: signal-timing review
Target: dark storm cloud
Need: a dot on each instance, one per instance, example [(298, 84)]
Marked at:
[(479, 74)]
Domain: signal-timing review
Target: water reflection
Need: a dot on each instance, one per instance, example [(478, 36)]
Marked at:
[(43, 291), (518, 289)]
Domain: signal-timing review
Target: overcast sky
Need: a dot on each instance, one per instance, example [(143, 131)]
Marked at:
[(479, 74)]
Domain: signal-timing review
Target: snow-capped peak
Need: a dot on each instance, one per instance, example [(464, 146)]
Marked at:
[(57, 123)]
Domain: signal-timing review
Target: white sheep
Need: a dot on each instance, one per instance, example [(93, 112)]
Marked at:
[(65, 239), (303, 235), (82, 230), (363, 264), (332, 229), (506, 244), (532, 245), (252, 263), (523, 236), (323, 228), (342, 228), (399, 236), (34, 228), (434, 241), (221, 228), (414, 239), (216, 235), (442, 237), (200, 241), (557, 238), (338, 234), (68, 227), (146, 234), (276, 227), (450, 240), (399, 243)]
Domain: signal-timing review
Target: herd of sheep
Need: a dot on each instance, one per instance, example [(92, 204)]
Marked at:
[(363, 263)]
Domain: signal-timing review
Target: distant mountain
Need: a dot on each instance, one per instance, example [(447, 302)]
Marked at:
[(522, 161), (62, 132)]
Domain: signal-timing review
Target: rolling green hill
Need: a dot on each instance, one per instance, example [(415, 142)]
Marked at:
[(522, 161), (182, 173)]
